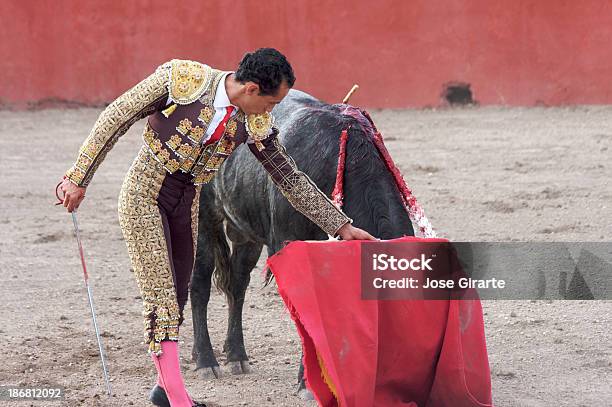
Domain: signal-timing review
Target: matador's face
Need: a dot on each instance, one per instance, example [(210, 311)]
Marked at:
[(254, 103)]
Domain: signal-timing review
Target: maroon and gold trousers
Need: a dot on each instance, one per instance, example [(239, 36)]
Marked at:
[(158, 215)]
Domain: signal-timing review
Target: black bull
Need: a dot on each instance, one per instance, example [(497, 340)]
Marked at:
[(244, 207)]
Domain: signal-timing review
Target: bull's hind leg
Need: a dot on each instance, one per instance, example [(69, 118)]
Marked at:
[(244, 258)]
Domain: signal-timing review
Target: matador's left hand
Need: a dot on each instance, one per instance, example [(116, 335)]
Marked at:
[(350, 232)]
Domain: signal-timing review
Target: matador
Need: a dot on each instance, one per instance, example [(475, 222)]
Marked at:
[(196, 117)]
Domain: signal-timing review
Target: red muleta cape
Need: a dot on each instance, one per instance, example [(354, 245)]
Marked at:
[(364, 353)]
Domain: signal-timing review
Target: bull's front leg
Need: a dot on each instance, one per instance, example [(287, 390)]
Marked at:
[(243, 260)]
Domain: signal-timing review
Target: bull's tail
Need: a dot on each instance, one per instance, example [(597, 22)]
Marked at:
[(213, 242), (223, 273)]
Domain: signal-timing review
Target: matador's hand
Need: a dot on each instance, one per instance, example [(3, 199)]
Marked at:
[(350, 232), (73, 195)]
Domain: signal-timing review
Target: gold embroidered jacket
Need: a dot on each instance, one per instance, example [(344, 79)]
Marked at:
[(173, 136)]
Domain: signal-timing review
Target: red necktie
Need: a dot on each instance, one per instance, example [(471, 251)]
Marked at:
[(221, 127)]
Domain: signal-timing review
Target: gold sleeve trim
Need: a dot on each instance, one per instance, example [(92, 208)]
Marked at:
[(303, 194), (114, 121)]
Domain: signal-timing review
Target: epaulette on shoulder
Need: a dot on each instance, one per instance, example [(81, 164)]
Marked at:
[(187, 80), (259, 127)]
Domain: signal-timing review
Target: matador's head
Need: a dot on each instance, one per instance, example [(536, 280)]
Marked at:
[(262, 80)]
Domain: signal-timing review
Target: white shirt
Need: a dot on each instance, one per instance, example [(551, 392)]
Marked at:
[(220, 103)]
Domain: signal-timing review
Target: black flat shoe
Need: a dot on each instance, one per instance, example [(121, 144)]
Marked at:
[(159, 398)]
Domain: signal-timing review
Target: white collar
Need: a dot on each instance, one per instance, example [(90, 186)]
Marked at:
[(221, 98)]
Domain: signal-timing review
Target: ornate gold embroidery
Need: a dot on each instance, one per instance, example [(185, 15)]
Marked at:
[(231, 128), (174, 142), (196, 134), (172, 165), (301, 192), (188, 80), (206, 153), (214, 155), (226, 147), (164, 155), (204, 177), (143, 232), (84, 162), (196, 152), (208, 97), (116, 119), (195, 209), (239, 117), (258, 126), (206, 115), (76, 175), (148, 135), (187, 164), (156, 146), (184, 150), (91, 150), (214, 162), (184, 126)]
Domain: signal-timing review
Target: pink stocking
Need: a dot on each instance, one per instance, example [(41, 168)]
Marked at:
[(169, 375)]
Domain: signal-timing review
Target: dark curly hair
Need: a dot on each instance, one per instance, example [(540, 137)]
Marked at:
[(266, 67)]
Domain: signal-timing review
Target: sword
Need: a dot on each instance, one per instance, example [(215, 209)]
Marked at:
[(89, 294)]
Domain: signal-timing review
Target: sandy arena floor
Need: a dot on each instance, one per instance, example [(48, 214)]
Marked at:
[(488, 174)]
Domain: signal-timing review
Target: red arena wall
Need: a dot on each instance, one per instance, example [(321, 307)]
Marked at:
[(401, 53)]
